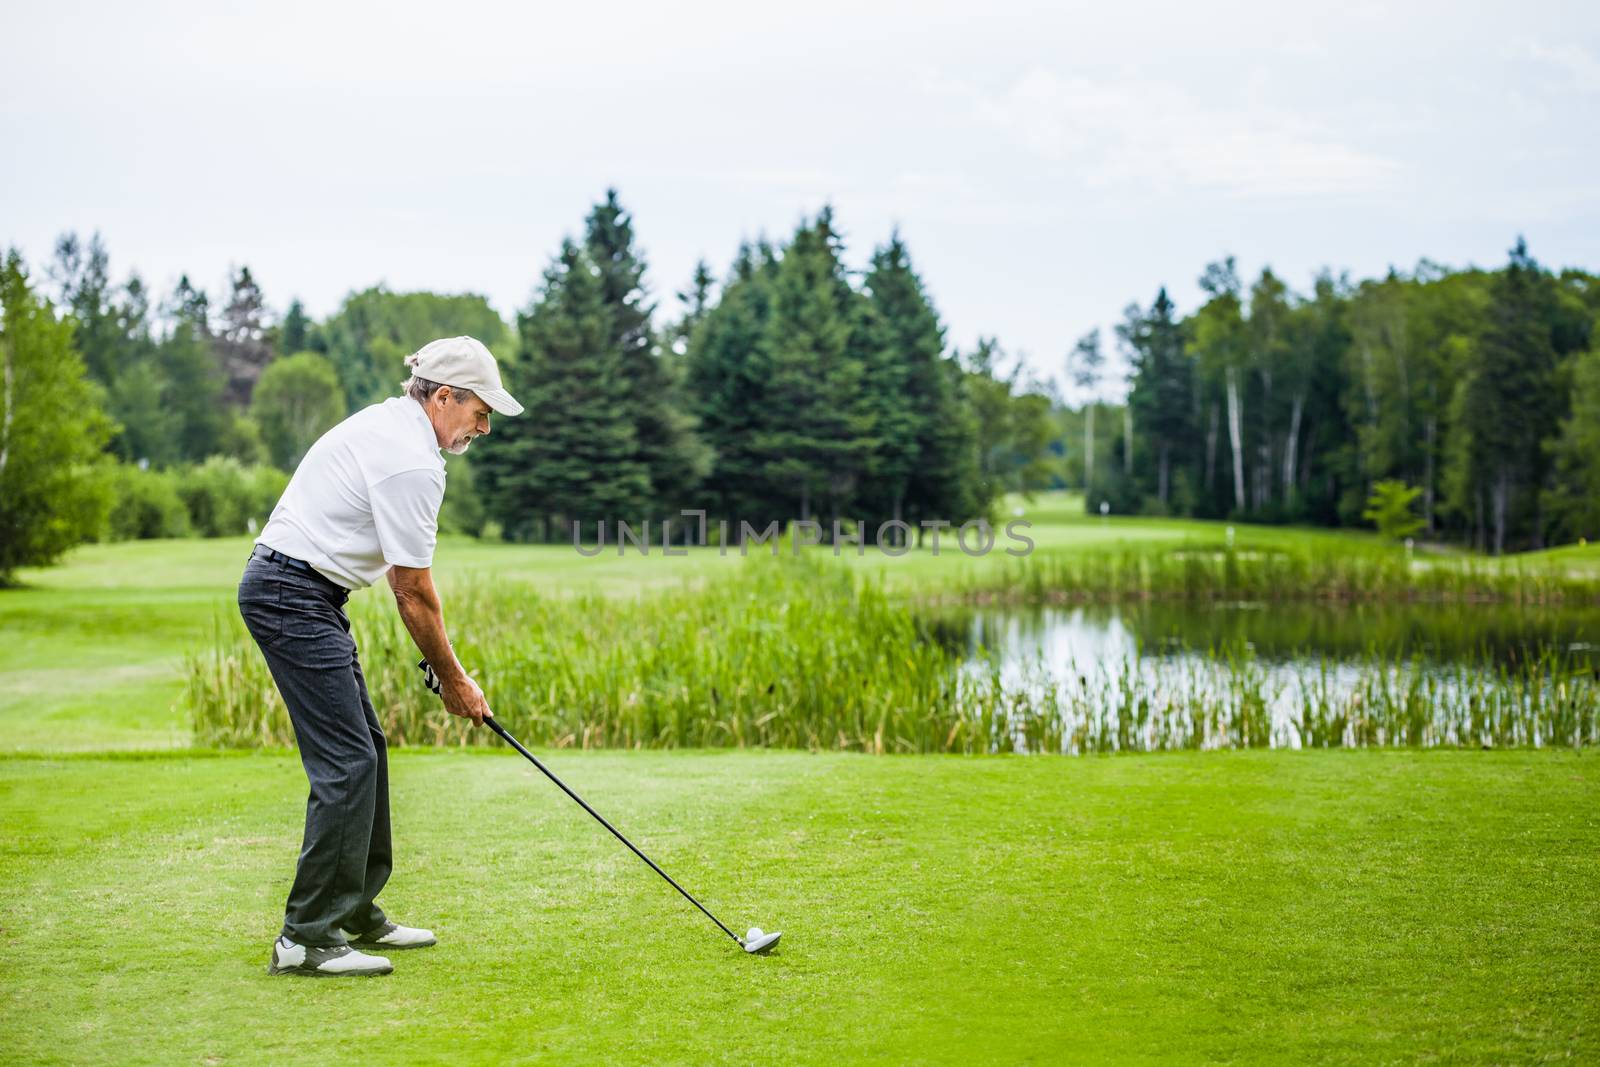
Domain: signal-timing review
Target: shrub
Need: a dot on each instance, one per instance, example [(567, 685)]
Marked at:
[(1389, 508), (144, 504), (225, 498)]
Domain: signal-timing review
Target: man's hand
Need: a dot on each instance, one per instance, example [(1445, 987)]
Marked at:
[(464, 698)]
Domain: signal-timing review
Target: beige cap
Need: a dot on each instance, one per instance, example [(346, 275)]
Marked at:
[(464, 363)]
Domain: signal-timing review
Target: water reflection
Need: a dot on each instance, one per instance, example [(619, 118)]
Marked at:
[(1293, 674), (1304, 633)]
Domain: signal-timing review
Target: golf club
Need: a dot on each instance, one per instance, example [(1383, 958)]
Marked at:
[(754, 942)]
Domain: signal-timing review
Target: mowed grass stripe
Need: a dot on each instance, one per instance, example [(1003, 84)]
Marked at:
[(1250, 907)]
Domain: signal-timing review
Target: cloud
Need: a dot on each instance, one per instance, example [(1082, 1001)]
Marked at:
[(1581, 70), (1157, 137)]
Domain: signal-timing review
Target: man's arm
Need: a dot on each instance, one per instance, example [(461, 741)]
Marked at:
[(423, 615)]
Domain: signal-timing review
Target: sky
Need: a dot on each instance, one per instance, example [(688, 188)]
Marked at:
[(1047, 164)]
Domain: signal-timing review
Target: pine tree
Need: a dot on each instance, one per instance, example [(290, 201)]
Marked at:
[(579, 461), (667, 444), (85, 291), (697, 304), (242, 339), (1161, 400), (927, 464), (815, 434), (1511, 400), (1318, 460), (726, 378), (294, 335), (193, 372), (188, 305)]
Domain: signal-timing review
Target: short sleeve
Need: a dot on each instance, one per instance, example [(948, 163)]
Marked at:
[(405, 510)]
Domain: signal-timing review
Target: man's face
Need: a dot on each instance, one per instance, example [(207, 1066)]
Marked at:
[(456, 421)]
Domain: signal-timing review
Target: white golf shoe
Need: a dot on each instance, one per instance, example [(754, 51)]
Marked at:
[(393, 935), (324, 961)]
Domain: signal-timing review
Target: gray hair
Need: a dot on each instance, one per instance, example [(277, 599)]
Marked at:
[(421, 390)]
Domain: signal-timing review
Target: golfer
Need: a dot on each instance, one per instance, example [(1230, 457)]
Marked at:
[(364, 503)]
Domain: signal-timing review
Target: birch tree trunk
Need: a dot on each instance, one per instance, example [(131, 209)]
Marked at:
[(1291, 447), (1264, 479), (1236, 439), (1502, 490), (1127, 438), (1430, 434), (5, 405), (1211, 449), (1088, 448)]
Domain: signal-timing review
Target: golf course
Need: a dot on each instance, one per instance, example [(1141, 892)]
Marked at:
[(952, 885)]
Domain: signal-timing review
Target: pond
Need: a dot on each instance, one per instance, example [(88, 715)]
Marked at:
[(1166, 675)]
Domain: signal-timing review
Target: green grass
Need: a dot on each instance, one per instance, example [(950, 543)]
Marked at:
[(1252, 907), (1247, 907), (94, 649)]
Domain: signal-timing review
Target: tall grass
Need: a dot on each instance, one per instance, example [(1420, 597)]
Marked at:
[(799, 654), (782, 653), (1279, 573)]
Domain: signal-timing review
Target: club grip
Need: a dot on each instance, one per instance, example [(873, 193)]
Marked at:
[(430, 679)]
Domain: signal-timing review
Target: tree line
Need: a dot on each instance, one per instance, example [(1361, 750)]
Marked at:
[(792, 387), (1477, 390), (791, 390)]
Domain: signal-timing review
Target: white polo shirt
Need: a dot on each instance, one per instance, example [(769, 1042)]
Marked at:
[(365, 498)]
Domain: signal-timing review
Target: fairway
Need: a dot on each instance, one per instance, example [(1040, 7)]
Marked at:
[(1252, 907), (1248, 907)]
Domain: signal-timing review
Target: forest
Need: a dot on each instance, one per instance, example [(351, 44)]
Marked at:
[(791, 386)]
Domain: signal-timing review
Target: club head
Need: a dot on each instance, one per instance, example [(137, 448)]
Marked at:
[(762, 943)]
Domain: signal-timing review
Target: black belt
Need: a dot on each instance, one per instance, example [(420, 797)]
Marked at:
[(272, 554)]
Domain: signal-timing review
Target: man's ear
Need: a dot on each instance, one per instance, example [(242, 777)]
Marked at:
[(444, 394)]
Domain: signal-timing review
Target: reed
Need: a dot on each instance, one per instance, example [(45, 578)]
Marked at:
[(1200, 571), (783, 653), (800, 654)]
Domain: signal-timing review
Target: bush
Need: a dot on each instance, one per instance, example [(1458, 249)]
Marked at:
[(241, 439), (144, 504), (225, 498)]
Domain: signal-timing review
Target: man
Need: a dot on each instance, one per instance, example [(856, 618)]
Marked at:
[(363, 503)]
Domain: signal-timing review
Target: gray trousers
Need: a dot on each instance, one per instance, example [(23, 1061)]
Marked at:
[(299, 623)]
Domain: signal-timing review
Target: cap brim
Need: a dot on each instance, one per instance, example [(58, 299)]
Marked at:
[(500, 401)]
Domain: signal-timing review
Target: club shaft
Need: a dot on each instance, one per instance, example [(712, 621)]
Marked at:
[(601, 819)]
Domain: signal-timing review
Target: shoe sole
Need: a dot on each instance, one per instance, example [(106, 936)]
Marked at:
[(385, 946), (304, 972)]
